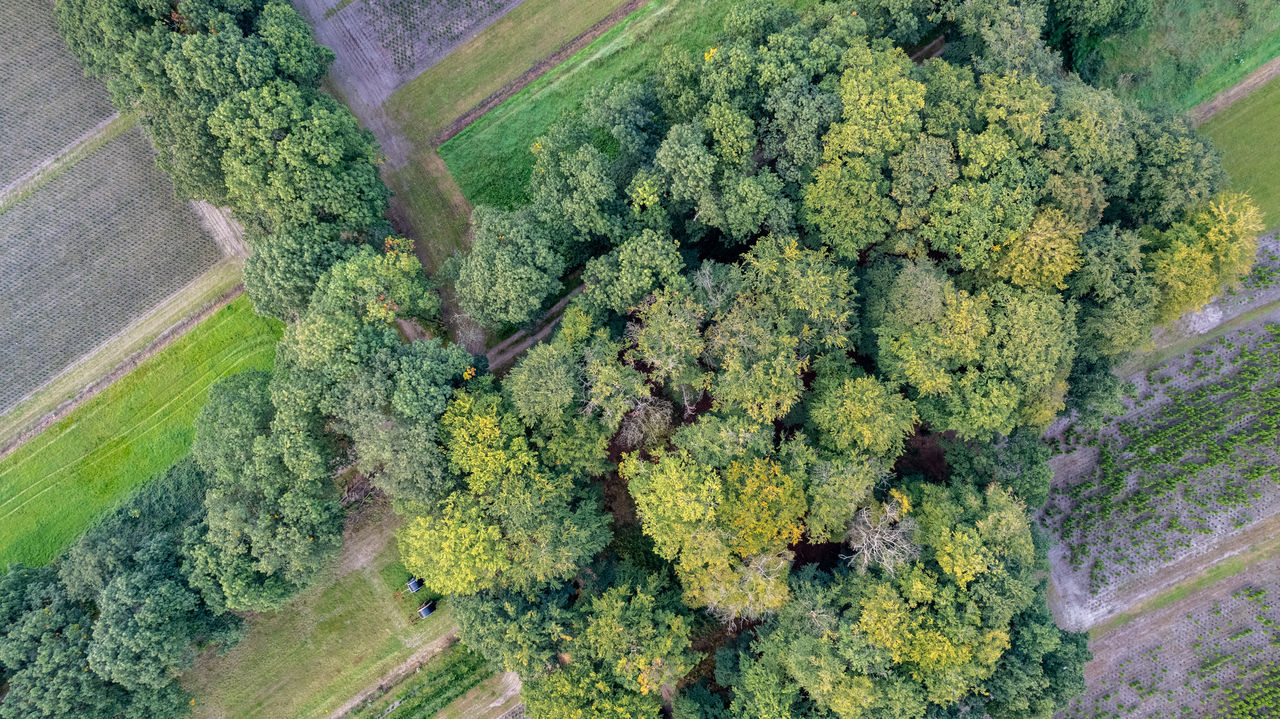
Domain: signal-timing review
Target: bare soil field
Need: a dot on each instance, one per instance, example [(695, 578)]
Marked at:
[(87, 253), (46, 102)]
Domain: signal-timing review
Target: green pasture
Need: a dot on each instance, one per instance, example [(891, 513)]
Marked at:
[(1246, 135), (349, 631), (1187, 51), (55, 486), (491, 159)]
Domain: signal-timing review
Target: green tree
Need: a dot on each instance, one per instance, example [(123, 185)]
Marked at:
[(511, 270), (296, 156), (282, 270), (143, 637), (862, 413)]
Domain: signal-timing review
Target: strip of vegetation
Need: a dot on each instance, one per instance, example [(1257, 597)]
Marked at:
[(432, 687), (1180, 53), (220, 281), (55, 486), (500, 53)]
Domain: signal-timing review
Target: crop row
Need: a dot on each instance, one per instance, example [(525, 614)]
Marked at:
[(414, 29), (1219, 663), (1197, 461), (47, 101)]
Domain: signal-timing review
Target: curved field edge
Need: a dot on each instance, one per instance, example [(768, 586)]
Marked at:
[(59, 483), (93, 372)]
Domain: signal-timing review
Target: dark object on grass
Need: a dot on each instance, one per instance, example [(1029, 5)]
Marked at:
[(414, 585), (426, 609)]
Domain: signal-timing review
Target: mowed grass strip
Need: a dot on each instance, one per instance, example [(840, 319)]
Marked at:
[(1186, 51), (499, 54), (1246, 135), (55, 486), (336, 638)]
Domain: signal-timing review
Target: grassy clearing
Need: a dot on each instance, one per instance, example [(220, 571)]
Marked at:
[(85, 255), (1245, 133), (429, 206), (491, 159), (47, 100), (1187, 51), (340, 636), (516, 42), (56, 485)]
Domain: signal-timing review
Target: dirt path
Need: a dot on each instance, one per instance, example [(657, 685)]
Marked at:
[(1234, 94), (395, 676), (223, 227), (506, 352), (565, 52)]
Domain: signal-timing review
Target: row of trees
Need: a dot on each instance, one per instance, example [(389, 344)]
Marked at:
[(810, 266), (228, 91), (104, 632)]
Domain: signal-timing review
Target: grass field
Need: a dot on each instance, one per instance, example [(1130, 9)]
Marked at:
[(187, 302), (1187, 51), (46, 99), (491, 159), (1246, 135), (336, 638), (86, 254), (56, 485)]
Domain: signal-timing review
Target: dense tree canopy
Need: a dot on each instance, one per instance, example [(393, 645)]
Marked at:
[(807, 260)]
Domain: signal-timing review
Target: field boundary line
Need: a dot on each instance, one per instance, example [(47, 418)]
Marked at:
[(539, 69), (1237, 92), (1219, 570), (94, 388), (423, 655), (106, 131)]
